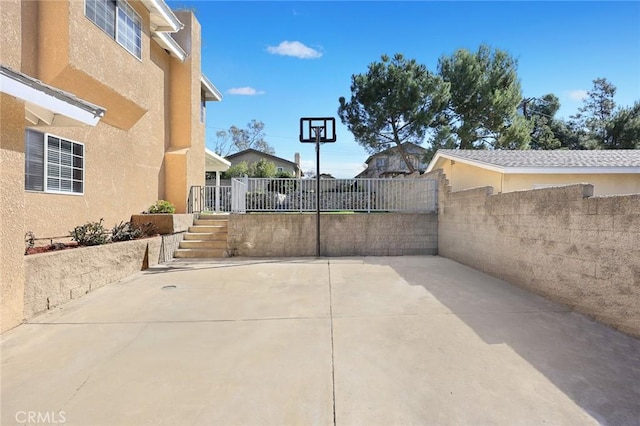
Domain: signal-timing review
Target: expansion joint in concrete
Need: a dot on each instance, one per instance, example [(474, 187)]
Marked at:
[(333, 370)]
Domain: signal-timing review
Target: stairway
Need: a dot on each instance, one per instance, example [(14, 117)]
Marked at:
[(207, 238)]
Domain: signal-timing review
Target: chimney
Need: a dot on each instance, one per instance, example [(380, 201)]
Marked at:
[(297, 161)]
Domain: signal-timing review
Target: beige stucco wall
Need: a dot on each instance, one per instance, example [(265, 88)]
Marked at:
[(604, 184), (12, 203), (286, 235), (125, 166), (464, 176), (561, 243)]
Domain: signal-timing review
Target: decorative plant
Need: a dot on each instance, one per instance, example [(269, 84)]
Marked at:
[(162, 206), (89, 234), (125, 231)]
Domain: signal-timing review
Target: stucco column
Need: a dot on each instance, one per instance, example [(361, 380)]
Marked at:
[(12, 210)]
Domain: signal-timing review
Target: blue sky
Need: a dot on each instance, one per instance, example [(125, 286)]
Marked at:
[(278, 61)]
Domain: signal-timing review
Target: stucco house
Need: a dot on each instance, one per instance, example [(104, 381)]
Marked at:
[(610, 171), (389, 163), (253, 156), (102, 108)]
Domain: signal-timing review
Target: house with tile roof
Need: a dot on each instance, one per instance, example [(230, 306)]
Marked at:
[(610, 171)]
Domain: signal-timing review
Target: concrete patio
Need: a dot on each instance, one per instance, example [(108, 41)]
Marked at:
[(346, 341)]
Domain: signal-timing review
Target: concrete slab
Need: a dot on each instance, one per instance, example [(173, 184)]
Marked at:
[(372, 341)]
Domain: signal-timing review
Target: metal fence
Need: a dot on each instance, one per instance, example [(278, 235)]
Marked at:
[(358, 195), (209, 199)]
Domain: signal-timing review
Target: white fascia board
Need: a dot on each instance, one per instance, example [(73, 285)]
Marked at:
[(163, 16), (167, 42), (438, 155), (45, 101), (210, 91)]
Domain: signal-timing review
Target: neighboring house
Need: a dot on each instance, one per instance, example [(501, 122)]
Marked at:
[(610, 171), (389, 163), (102, 110), (253, 156)]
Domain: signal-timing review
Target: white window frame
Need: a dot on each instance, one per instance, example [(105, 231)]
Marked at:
[(280, 169), (45, 164), (130, 13)]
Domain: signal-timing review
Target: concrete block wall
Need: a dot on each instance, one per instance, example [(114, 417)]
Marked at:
[(54, 278), (562, 243), (291, 235)]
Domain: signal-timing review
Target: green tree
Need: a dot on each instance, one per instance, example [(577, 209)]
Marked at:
[(237, 170), (623, 129), (597, 112), (395, 101), (485, 95), (544, 126), (262, 169)]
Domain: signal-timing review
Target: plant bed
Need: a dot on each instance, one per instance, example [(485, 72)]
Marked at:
[(51, 247), (165, 223)]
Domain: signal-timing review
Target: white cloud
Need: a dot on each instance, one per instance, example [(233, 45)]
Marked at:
[(246, 91), (295, 49), (577, 95)]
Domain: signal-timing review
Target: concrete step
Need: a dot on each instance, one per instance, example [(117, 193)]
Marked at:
[(200, 229), (200, 253), (210, 222), (203, 244), (218, 236)]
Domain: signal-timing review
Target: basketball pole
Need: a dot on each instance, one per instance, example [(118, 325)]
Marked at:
[(317, 130)]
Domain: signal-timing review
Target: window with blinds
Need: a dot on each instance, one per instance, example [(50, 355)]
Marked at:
[(53, 164), (119, 20)]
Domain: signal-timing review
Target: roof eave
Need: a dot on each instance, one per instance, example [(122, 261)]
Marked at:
[(162, 16), (211, 93), (168, 43), (44, 103)]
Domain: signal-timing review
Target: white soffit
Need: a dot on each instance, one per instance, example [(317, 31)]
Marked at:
[(162, 17), (168, 43), (47, 105), (214, 162)]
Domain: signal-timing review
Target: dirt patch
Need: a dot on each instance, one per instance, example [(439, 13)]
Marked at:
[(51, 247)]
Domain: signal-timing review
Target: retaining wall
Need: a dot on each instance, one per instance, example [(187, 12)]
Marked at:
[(562, 243), (292, 235), (54, 278)]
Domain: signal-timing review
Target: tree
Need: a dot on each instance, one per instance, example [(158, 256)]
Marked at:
[(237, 170), (597, 111), (623, 129), (223, 145), (485, 95), (395, 101), (544, 126), (263, 169), (252, 137)]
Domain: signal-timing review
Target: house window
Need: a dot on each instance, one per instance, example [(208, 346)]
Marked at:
[(382, 163), (280, 169), (119, 20), (53, 164)]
